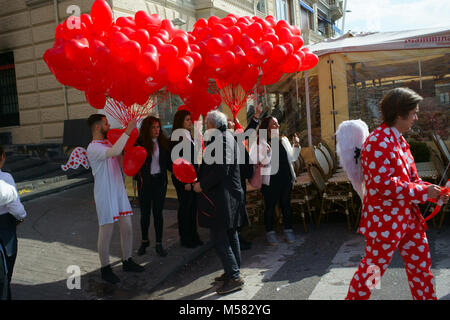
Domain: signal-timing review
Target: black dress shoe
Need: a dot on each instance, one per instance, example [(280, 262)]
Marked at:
[(231, 285), (221, 278), (160, 250), (141, 250), (108, 275), (131, 266)]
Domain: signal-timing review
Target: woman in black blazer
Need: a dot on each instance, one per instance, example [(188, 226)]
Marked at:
[(187, 204), (152, 181)]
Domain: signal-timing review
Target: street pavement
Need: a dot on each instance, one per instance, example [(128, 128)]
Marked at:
[(319, 266), (60, 235)]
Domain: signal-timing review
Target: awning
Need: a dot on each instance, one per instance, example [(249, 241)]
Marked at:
[(304, 5), (336, 29), (438, 37), (324, 19)]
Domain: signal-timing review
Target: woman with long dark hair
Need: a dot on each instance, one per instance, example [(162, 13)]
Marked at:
[(152, 181), (187, 206)]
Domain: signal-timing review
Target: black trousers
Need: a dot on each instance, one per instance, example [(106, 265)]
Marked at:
[(187, 214), (152, 194), (272, 194), (8, 241)]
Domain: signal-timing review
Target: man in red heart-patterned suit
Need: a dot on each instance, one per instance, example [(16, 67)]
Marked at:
[(390, 217)]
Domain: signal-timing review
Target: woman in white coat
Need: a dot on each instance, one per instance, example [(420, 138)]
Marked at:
[(276, 155)]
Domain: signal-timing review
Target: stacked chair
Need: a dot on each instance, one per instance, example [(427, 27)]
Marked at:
[(302, 193), (331, 182), (441, 161)]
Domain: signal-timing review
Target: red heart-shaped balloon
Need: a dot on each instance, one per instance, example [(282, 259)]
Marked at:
[(249, 78), (285, 35), (114, 134), (181, 41), (235, 32), (215, 45), (132, 139), (184, 171), (168, 53), (279, 53), (148, 64), (218, 30), (133, 160), (102, 16), (297, 42), (201, 23), (255, 31), (78, 50)]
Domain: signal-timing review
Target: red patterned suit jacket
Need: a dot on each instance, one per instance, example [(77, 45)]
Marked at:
[(392, 186)]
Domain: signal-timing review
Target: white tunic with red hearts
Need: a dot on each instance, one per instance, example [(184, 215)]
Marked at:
[(111, 199)]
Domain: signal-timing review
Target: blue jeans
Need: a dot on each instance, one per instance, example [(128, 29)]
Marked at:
[(226, 243)]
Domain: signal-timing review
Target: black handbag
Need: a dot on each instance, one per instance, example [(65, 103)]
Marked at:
[(206, 211)]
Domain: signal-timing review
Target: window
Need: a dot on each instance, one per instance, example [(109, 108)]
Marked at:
[(369, 81), (306, 19), (261, 6), (284, 10), (9, 106)]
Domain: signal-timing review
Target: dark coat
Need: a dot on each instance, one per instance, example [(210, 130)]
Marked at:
[(221, 183), (247, 168), (165, 164)]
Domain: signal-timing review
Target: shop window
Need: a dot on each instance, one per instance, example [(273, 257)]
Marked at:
[(9, 105), (289, 106)]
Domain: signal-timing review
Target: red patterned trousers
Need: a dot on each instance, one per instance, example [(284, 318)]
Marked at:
[(415, 252)]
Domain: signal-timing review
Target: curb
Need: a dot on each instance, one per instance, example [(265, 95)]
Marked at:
[(38, 194)]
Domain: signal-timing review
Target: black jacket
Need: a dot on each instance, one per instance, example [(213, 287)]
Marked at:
[(247, 168), (165, 164), (221, 183)]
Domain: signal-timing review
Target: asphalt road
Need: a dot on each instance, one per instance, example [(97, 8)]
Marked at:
[(318, 267)]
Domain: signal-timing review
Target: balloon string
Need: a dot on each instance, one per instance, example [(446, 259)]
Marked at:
[(234, 96)]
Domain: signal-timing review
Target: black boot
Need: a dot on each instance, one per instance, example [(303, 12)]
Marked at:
[(131, 266), (144, 245), (160, 250), (108, 275)]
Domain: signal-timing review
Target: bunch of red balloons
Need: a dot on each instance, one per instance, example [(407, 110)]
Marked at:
[(249, 51), (128, 59)]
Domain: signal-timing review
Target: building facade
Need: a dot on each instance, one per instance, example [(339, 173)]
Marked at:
[(33, 105)]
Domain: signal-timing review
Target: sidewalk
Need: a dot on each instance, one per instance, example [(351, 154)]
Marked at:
[(61, 231)]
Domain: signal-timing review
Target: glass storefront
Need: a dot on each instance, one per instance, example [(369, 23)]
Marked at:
[(428, 75), (288, 103)]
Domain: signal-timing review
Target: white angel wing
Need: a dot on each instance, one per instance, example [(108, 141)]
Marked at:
[(77, 157), (350, 137)]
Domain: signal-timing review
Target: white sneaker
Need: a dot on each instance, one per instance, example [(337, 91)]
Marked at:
[(272, 238), (289, 236)]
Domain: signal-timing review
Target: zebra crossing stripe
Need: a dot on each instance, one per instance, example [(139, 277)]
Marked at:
[(441, 267), (334, 284), (263, 268)]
